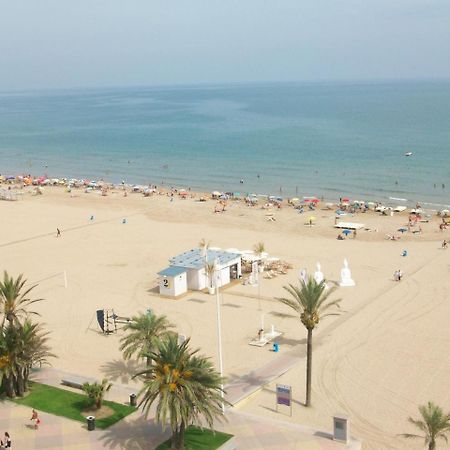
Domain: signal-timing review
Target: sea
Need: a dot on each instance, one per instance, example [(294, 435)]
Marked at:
[(328, 140)]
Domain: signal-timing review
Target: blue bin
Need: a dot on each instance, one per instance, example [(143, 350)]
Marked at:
[(276, 347)]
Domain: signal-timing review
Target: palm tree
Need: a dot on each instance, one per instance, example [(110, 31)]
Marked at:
[(14, 298), (96, 391), (21, 347), (144, 331), (204, 245), (210, 270), (435, 425), (186, 386), (259, 248), (310, 302)]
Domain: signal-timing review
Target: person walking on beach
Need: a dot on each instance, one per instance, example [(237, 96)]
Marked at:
[(6, 442), (35, 419), (444, 244), (58, 232)]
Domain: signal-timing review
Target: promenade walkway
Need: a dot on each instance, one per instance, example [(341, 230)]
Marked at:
[(137, 433)]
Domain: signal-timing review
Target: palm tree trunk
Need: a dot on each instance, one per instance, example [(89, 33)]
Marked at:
[(19, 384), (8, 386), (308, 367), (180, 444), (432, 445)]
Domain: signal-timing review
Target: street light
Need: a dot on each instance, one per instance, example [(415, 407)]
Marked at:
[(219, 331)]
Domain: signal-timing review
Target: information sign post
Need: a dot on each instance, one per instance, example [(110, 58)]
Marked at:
[(284, 396)]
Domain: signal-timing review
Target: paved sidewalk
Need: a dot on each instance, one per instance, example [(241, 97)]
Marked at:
[(137, 433), (246, 385)]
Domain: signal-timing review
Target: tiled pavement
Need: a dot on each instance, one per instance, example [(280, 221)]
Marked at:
[(136, 433)]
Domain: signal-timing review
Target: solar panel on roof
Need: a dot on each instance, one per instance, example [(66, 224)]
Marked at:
[(194, 259)]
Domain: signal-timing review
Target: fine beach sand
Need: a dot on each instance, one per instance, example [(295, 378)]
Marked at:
[(383, 356)]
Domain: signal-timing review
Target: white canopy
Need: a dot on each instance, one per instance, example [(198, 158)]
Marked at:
[(349, 225)]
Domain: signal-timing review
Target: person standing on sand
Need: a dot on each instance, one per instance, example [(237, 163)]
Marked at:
[(58, 232)]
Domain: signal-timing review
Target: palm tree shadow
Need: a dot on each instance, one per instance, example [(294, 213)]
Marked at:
[(282, 340), (238, 380), (122, 370), (135, 433)]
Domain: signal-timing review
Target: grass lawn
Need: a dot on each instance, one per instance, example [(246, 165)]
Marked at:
[(69, 404), (197, 439)]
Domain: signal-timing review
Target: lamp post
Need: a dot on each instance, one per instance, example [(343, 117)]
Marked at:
[(219, 331)]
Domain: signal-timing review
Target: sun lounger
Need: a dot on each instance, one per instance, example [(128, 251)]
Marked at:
[(259, 342), (265, 338)]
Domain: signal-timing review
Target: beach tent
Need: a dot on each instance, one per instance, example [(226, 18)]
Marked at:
[(215, 194)]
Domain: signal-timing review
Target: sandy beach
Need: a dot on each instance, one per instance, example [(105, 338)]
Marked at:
[(377, 361)]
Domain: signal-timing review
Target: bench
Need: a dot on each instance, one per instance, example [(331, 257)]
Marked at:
[(74, 382)]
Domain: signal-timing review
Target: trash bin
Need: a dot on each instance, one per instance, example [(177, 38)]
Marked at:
[(276, 347), (132, 399), (90, 423)]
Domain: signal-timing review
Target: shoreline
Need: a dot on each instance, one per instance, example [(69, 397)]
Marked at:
[(388, 201)]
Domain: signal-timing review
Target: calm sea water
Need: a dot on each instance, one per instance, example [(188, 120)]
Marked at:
[(328, 140)]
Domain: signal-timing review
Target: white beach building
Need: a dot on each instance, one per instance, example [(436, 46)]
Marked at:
[(172, 281), (192, 265)]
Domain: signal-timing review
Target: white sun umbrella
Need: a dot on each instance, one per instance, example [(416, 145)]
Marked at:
[(247, 252), (233, 250), (250, 258), (264, 255), (273, 259), (214, 249)]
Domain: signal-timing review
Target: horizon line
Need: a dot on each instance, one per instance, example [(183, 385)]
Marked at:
[(207, 84)]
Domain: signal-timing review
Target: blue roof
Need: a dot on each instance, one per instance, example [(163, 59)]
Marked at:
[(172, 271), (194, 259)]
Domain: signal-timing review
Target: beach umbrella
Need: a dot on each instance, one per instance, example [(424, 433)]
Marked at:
[(402, 230), (233, 250), (315, 200), (346, 232), (345, 199), (311, 218)]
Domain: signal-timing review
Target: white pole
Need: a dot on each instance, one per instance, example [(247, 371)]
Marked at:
[(65, 279), (259, 294), (219, 332)]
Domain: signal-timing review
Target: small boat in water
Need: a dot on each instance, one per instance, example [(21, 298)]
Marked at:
[(408, 153)]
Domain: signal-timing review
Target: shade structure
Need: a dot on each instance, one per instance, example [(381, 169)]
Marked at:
[(233, 250)]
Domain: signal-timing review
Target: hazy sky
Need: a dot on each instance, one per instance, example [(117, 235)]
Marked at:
[(62, 43)]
